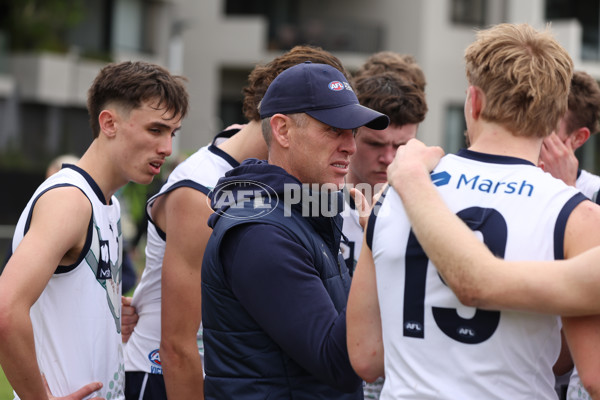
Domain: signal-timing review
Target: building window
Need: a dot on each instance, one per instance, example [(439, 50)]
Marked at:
[(588, 14), (292, 23), (468, 12), (456, 127)]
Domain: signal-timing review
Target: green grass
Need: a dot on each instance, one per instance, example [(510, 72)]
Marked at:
[(5, 389)]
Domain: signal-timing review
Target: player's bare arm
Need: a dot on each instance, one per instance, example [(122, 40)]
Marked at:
[(185, 212), (363, 320), (129, 318), (68, 211), (583, 333)]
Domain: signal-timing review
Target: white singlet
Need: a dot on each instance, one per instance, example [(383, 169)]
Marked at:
[(437, 348), (200, 171), (77, 318), (589, 184)]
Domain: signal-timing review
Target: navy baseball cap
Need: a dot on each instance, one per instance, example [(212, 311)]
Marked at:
[(322, 92)]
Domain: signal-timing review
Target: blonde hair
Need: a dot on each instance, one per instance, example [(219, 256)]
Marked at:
[(525, 75)]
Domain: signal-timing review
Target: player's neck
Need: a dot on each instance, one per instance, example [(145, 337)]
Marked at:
[(247, 143), (101, 169), (494, 139)]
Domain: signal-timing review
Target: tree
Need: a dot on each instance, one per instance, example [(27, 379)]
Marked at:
[(39, 25)]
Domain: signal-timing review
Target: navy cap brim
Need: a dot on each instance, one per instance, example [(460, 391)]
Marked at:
[(351, 116)]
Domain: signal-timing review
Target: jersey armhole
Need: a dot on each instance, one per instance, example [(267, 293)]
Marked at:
[(373, 218), (183, 183), (561, 224), (61, 269)]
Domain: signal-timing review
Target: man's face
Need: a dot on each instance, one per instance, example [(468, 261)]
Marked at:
[(375, 150), (320, 153), (144, 140)]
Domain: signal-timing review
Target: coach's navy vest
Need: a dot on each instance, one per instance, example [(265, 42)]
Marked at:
[(248, 364)]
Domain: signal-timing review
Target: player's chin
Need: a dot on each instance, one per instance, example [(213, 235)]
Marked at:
[(379, 177), (143, 179)]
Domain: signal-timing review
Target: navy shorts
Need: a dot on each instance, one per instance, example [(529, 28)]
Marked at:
[(144, 386)]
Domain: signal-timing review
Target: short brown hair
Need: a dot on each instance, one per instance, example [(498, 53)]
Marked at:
[(262, 75), (403, 64), (391, 94), (129, 84), (584, 103), (525, 75)]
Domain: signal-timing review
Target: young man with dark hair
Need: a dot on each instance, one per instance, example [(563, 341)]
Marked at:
[(60, 309)]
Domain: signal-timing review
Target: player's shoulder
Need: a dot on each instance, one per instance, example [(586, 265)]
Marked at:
[(65, 200)]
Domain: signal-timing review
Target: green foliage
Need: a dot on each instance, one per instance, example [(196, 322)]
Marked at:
[(14, 159), (5, 388), (135, 195), (39, 25)]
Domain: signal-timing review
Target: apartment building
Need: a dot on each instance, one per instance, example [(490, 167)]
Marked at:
[(215, 43)]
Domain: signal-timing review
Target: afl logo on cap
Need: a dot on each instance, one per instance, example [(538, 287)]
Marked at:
[(336, 86)]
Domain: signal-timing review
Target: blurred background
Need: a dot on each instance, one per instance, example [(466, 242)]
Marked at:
[(50, 51)]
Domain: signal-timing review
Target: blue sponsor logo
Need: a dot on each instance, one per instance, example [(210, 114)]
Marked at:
[(440, 178), (522, 188), (489, 186)]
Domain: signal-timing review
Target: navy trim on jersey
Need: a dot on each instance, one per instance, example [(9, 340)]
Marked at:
[(90, 181), (373, 217), (348, 199), (351, 202), (217, 151), (227, 134), (561, 224), (491, 158), (61, 269), (183, 183)]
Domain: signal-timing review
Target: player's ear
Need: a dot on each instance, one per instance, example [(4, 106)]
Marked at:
[(108, 120), (280, 128), (579, 137), (476, 99)]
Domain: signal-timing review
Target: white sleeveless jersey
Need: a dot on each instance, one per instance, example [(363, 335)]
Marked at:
[(436, 348), (77, 319), (588, 184), (354, 233), (200, 171)]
